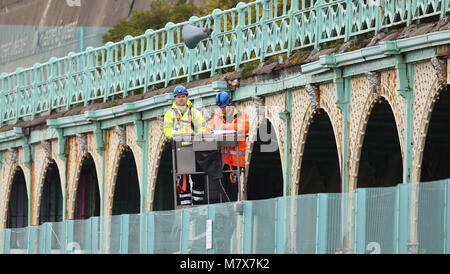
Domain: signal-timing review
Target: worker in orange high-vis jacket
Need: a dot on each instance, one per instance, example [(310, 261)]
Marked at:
[(229, 117)]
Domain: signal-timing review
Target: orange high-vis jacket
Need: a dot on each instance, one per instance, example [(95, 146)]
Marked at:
[(240, 124)]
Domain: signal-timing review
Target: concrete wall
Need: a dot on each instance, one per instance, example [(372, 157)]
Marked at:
[(96, 13), (32, 31)]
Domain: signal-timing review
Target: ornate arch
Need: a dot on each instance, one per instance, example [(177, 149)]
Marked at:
[(43, 158), (363, 100), (426, 91), (301, 119), (11, 163), (77, 155), (117, 140)]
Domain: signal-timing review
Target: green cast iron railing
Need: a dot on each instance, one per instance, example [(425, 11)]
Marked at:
[(246, 33)]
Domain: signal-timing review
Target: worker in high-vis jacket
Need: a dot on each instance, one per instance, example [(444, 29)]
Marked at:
[(182, 118), (229, 117)]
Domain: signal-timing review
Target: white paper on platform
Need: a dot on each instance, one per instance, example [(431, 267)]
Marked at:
[(219, 131)]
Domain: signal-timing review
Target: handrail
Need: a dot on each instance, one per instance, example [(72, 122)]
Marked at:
[(242, 34)]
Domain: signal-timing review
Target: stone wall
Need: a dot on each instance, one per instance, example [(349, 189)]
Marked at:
[(98, 13)]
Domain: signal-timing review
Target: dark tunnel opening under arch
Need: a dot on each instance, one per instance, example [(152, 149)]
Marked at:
[(88, 194), (265, 175), (435, 166), (163, 199), (380, 162), (51, 205), (127, 198), (18, 202), (436, 154), (320, 170)]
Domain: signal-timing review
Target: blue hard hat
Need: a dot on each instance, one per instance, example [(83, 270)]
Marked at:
[(179, 90), (222, 99)]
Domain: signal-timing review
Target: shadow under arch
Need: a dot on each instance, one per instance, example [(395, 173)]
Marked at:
[(51, 205), (265, 175), (320, 169), (164, 181), (380, 163), (18, 201), (88, 192), (436, 154), (435, 166), (127, 197)]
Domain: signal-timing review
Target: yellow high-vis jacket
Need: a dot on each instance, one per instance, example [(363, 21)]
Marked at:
[(191, 122)]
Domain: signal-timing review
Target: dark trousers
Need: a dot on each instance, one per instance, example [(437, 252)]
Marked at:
[(211, 163), (198, 187), (197, 195), (230, 188)]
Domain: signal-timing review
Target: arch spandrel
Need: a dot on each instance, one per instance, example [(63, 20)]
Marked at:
[(327, 101), (362, 102), (426, 91), (40, 165), (157, 140), (301, 118), (137, 151), (8, 170), (41, 161), (75, 156), (251, 109), (274, 105), (388, 90), (92, 149), (25, 169), (59, 162), (113, 153)]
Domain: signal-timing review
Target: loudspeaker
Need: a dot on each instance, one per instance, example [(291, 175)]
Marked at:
[(192, 35)]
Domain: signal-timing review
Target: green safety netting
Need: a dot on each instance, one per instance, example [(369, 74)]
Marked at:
[(408, 218)]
